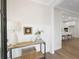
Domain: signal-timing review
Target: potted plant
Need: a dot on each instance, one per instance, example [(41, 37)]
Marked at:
[(38, 36)]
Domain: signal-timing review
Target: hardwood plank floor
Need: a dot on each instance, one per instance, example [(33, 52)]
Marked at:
[(70, 50)]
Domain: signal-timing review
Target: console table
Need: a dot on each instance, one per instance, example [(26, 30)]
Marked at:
[(67, 37), (24, 44)]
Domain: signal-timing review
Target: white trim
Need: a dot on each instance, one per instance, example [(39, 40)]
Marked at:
[(55, 3), (39, 2), (50, 3)]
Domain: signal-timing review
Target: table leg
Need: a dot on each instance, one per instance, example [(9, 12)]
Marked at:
[(40, 47), (44, 50), (10, 53)]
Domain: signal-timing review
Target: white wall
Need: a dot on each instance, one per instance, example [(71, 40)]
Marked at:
[(33, 12), (52, 31), (76, 29), (57, 29), (37, 16)]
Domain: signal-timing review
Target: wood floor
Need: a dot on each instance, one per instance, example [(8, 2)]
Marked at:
[(70, 50)]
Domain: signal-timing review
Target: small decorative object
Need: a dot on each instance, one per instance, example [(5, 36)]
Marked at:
[(27, 30), (38, 38)]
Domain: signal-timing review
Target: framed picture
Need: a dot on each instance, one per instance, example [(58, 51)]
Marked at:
[(66, 29), (27, 30)]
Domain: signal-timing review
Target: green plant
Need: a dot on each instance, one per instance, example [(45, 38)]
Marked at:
[(38, 32)]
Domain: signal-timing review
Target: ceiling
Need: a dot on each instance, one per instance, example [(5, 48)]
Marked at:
[(45, 2), (72, 5)]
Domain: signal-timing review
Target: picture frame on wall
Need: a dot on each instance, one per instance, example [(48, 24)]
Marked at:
[(66, 29), (27, 30)]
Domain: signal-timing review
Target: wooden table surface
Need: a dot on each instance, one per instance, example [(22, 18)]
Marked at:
[(23, 44)]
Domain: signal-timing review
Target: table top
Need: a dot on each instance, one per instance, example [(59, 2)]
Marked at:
[(23, 44)]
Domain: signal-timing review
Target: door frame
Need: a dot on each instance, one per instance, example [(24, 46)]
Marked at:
[(3, 29)]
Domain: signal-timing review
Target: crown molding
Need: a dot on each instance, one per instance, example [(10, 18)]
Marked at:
[(40, 2)]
